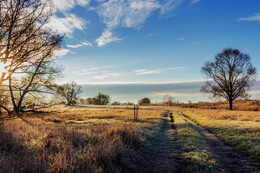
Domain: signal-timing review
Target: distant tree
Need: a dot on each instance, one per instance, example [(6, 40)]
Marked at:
[(231, 74), (82, 101), (91, 101), (116, 103), (144, 101), (69, 92), (168, 100), (102, 99)]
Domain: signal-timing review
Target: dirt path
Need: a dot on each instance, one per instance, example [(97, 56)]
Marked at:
[(165, 152), (229, 159)]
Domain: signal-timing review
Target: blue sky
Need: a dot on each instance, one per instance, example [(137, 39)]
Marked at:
[(151, 41)]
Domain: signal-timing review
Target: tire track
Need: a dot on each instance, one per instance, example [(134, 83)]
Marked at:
[(164, 160), (229, 159)]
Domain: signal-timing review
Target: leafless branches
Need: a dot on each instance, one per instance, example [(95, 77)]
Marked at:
[(26, 49), (232, 75)]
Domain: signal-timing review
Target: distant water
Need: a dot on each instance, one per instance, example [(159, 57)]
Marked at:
[(133, 92)]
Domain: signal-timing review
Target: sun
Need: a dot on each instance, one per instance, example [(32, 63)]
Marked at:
[(2, 68)]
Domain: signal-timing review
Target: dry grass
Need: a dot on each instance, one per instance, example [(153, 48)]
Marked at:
[(195, 153), (106, 141), (228, 115), (240, 129), (109, 115), (237, 105)]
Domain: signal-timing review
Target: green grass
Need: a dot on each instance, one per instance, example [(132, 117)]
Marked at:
[(195, 154), (242, 135)]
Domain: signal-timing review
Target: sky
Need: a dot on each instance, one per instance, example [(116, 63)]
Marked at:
[(151, 41)]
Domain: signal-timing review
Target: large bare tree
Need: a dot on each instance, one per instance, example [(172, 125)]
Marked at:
[(26, 50), (231, 74)]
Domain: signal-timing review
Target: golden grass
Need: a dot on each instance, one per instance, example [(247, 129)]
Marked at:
[(77, 140), (77, 115), (253, 105), (227, 115), (241, 129)]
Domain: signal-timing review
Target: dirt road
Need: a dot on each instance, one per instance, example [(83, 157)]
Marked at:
[(228, 158)]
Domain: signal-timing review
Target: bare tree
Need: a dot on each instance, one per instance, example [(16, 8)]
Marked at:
[(69, 93), (231, 74), (26, 49), (168, 100)]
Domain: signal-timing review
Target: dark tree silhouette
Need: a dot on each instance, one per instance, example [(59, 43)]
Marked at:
[(231, 74), (144, 101), (100, 99), (27, 50)]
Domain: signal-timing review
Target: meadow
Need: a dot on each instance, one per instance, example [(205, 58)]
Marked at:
[(239, 129), (107, 139), (76, 140)]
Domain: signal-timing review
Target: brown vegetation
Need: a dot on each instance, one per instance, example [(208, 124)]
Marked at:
[(74, 141), (237, 105)]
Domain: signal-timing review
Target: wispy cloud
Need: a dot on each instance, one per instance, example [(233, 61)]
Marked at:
[(144, 71), (194, 1), (181, 39), (87, 43), (97, 73), (168, 6), (61, 52), (107, 37), (115, 14), (155, 71), (74, 46), (83, 43), (64, 5), (66, 25), (256, 17), (128, 14)]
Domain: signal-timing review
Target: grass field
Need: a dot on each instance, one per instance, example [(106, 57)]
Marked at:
[(77, 140), (240, 129), (96, 139)]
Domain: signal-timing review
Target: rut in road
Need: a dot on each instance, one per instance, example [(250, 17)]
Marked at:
[(229, 159), (164, 159)]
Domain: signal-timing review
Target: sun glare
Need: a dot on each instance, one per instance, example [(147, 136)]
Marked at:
[(2, 68)]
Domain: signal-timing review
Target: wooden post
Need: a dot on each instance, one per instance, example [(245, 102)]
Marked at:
[(136, 107)]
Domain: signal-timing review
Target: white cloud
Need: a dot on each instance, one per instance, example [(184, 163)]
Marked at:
[(139, 11), (169, 5), (107, 37), (155, 71), (74, 46), (87, 43), (129, 13), (97, 73), (194, 1), (66, 25), (61, 52), (83, 2), (256, 17), (143, 72), (64, 5), (118, 13), (83, 43)]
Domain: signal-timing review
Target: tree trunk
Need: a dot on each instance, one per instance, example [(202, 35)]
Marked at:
[(230, 104)]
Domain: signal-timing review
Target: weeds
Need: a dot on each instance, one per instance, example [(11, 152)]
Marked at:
[(101, 145)]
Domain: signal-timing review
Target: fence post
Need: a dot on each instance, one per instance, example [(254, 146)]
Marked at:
[(136, 107)]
